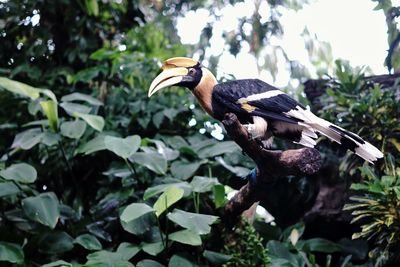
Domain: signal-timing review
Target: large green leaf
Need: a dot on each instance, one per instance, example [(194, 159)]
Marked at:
[(196, 223), (179, 261), (73, 129), (216, 258), (59, 263), (152, 160), (71, 108), (203, 184), (167, 199), (184, 169), (96, 144), (50, 109), (158, 189), (19, 88), (43, 209), (153, 248), (82, 97), (140, 225), (134, 211), (8, 188), (20, 172), (186, 237), (148, 263), (88, 241), (218, 149), (219, 195), (124, 253), (321, 245), (95, 121), (28, 139), (123, 147), (55, 243), (11, 252)]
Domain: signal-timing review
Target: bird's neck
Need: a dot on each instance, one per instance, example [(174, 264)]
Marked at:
[(203, 91)]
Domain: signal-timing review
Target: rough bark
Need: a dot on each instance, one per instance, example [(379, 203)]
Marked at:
[(271, 165)]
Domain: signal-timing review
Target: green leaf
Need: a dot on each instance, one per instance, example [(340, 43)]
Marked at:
[(11, 252), (367, 171), (59, 263), (321, 245), (50, 109), (88, 241), (186, 237), (179, 261), (183, 169), (153, 248), (134, 211), (218, 149), (203, 184), (167, 199), (158, 189), (92, 7), (196, 223), (42, 209), (152, 160), (92, 146), (148, 263), (73, 129), (277, 249), (216, 258), (20, 172), (95, 121), (127, 250), (19, 88), (28, 139), (124, 253), (82, 97), (72, 108), (219, 195), (49, 94), (122, 147), (55, 243), (8, 188), (141, 225)]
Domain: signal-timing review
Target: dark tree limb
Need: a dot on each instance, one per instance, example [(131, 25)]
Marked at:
[(271, 165)]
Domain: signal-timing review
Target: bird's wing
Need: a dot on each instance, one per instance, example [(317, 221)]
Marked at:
[(254, 98)]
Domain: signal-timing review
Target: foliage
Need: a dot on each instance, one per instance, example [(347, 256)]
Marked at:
[(378, 211), (291, 250), (373, 111), (93, 173), (246, 247)]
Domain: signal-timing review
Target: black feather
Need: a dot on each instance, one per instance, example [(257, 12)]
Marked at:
[(225, 98)]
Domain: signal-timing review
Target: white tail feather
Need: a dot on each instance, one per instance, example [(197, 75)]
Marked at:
[(364, 149)]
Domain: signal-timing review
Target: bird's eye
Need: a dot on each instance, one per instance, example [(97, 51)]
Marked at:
[(191, 71)]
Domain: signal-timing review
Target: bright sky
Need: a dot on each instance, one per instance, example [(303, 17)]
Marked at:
[(355, 31)]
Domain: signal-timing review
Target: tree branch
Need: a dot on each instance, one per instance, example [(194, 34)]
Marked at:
[(271, 165)]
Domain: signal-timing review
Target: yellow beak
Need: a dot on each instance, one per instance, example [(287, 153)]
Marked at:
[(166, 78)]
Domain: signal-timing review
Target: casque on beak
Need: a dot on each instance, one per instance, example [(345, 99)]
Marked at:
[(174, 72), (167, 78)]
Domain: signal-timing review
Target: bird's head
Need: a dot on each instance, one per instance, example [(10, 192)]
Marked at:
[(189, 73), (182, 71)]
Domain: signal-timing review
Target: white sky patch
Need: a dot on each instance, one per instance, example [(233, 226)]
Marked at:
[(358, 37), (190, 27)]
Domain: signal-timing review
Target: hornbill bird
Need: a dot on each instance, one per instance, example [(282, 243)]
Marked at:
[(264, 110)]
